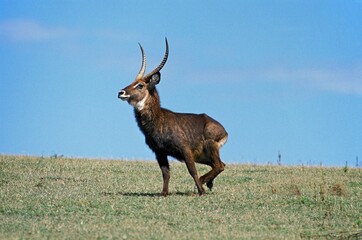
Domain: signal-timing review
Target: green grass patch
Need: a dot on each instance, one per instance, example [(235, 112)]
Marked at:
[(61, 198)]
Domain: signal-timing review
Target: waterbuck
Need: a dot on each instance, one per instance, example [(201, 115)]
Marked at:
[(187, 137)]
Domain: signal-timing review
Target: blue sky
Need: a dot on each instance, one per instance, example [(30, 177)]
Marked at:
[(282, 75)]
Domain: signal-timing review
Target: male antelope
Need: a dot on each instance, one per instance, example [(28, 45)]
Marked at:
[(187, 137)]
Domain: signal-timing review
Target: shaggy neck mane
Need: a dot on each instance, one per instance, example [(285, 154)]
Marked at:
[(150, 114)]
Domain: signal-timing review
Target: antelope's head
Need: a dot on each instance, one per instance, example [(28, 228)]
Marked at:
[(139, 90)]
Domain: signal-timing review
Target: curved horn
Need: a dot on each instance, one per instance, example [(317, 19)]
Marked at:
[(143, 67), (161, 64)]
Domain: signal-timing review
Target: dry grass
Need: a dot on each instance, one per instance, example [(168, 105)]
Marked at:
[(42, 198)]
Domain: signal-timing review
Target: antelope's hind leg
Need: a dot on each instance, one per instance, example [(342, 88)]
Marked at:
[(214, 161), (190, 164)]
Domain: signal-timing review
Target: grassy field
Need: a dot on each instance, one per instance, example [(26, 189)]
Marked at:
[(61, 198)]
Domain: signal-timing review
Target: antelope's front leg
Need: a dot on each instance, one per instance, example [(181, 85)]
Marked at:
[(165, 168)]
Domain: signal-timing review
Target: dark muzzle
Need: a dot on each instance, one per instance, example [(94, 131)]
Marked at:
[(123, 95), (122, 92)]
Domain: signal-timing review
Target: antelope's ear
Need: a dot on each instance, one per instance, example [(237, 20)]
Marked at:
[(154, 80)]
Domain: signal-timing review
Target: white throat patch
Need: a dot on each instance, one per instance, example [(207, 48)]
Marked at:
[(141, 104)]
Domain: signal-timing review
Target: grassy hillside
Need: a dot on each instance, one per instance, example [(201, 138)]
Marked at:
[(59, 198)]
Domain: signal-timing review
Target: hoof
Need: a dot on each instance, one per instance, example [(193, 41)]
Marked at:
[(210, 185), (163, 194), (200, 191)]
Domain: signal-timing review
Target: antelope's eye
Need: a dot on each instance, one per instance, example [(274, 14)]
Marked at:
[(139, 86)]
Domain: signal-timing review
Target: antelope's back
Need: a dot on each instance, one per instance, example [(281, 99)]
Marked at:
[(197, 127)]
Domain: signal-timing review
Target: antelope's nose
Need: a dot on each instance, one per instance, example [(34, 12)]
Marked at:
[(121, 93)]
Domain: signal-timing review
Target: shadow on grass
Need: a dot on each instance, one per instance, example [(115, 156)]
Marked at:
[(138, 194)]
